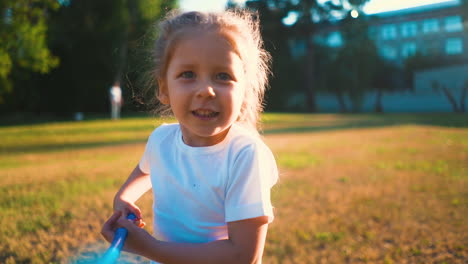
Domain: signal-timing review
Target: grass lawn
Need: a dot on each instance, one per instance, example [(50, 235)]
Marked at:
[(353, 188)]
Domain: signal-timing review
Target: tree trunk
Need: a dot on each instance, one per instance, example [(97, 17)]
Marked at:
[(341, 101), (378, 101), (451, 99), (310, 76), (462, 99), (122, 60)]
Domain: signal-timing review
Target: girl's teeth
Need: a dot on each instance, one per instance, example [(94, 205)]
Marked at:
[(205, 113)]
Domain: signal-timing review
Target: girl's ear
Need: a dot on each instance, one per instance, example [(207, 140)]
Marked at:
[(163, 95)]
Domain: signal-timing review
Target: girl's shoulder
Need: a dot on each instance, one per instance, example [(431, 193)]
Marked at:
[(249, 150), (245, 139), (163, 131)]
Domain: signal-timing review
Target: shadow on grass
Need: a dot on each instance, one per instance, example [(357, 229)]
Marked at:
[(372, 121), (45, 148), (351, 121), (28, 119)]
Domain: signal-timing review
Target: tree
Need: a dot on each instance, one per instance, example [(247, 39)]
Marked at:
[(276, 35), (356, 61), (311, 15), (384, 80), (96, 41), (458, 107), (23, 40), (331, 73)]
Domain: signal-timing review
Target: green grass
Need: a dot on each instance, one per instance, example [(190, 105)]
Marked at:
[(72, 135), (353, 188)]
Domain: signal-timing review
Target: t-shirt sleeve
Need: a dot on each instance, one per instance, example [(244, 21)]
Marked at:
[(153, 141), (145, 159), (252, 176)]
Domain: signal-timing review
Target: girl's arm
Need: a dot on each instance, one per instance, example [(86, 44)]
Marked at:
[(136, 185), (245, 244)]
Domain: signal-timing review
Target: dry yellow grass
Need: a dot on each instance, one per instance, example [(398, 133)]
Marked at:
[(393, 194), (385, 195)]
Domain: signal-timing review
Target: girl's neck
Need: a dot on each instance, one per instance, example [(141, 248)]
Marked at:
[(200, 141)]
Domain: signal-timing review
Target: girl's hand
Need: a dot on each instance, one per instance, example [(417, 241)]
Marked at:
[(109, 227), (125, 208), (136, 237)]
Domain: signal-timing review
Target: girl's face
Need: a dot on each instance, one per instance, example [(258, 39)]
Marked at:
[(204, 86)]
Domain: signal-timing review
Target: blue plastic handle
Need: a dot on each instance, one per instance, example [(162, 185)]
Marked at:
[(121, 234), (113, 253)]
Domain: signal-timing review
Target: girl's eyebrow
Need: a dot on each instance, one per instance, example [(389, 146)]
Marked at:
[(219, 67), (186, 65)]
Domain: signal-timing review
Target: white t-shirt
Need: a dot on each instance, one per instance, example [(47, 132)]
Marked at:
[(197, 190)]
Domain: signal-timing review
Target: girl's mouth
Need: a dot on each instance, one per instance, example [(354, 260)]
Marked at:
[(205, 114)]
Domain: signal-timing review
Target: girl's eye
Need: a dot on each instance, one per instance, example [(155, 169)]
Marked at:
[(223, 76), (187, 75)]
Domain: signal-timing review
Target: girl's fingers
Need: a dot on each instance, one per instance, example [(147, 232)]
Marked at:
[(110, 223), (130, 224), (136, 211), (124, 222), (139, 222), (131, 208), (138, 218), (108, 228)]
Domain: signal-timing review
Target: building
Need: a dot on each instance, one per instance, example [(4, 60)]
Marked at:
[(436, 30), (433, 30)]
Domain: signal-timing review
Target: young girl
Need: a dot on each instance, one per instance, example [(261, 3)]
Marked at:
[(211, 174)]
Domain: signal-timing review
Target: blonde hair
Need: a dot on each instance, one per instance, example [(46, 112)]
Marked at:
[(245, 27)]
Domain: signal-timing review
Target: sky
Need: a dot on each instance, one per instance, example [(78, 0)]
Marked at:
[(373, 6)]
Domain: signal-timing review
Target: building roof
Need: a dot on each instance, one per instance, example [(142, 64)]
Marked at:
[(418, 9)]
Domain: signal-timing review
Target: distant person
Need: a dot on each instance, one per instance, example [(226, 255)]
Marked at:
[(211, 173), (115, 95)]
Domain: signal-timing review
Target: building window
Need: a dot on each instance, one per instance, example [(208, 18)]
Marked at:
[(388, 52), (453, 24), (388, 32), (335, 39), (430, 26), (454, 46), (409, 29), (408, 49)]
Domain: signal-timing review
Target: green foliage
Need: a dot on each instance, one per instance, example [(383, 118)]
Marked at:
[(93, 41), (23, 39), (5, 63)]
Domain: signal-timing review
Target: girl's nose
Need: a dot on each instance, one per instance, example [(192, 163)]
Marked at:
[(206, 90)]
